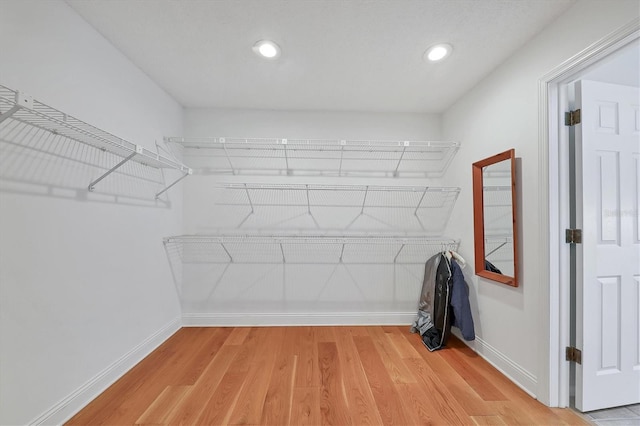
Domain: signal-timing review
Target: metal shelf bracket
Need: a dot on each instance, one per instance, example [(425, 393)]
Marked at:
[(22, 100), (286, 158), (405, 144), (395, 258), (139, 150), (188, 172)]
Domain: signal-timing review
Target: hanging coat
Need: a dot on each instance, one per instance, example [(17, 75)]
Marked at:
[(434, 310), (462, 318)]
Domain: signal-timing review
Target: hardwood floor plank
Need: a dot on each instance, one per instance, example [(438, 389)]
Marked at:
[(187, 411), (488, 420), (442, 375), (489, 371), (362, 405), (248, 376), (222, 402), (193, 368), (358, 330), (441, 400), (333, 402), (477, 381), (137, 395), (305, 407), (418, 406), (324, 334), (535, 410), (248, 408), (277, 403), (404, 348), (511, 414), (237, 336), (388, 402), (129, 384), (177, 372), (160, 409), (570, 417), (305, 347), (391, 359)]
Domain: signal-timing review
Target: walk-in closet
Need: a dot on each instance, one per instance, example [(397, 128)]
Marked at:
[(271, 211)]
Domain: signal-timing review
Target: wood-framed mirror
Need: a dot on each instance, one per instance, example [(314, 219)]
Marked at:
[(495, 218)]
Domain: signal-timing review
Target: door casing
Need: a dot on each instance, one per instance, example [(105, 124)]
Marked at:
[(553, 201)]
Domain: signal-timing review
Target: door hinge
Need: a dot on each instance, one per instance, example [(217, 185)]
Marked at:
[(573, 354), (572, 118), (573, 236)]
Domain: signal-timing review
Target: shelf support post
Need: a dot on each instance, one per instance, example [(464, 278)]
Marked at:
[(116, 167), (343, 143), (398, 254), (226, 155), (364, 200), (284, 259), (226, 251), (176, 181), (308, 202), (404, 148), (415, 212), (248, 197), (9, 113), (286, 157)]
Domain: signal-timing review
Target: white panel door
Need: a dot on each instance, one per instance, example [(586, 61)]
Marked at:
[(608, 277)]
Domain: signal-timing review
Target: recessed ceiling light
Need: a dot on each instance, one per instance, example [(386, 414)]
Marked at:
[(267, 49), (438, 52)]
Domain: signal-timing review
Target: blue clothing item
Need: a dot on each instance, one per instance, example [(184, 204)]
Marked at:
[(462, 318)]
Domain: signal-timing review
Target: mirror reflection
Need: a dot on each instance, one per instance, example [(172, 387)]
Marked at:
[(494, 218), (498, 218)]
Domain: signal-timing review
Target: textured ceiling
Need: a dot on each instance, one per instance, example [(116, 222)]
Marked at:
[(336, 54)]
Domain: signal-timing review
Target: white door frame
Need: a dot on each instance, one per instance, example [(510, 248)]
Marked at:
[(553, 199)]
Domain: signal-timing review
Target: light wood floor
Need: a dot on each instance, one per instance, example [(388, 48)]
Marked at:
[(313, 376)]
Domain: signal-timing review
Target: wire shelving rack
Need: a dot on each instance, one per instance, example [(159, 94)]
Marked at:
[(399, 207), (18, 110), (305, 249), (317, 157)]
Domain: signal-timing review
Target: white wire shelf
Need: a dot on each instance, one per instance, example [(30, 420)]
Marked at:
[(317, 156), (19, 108), (306, 249), (394, 207)]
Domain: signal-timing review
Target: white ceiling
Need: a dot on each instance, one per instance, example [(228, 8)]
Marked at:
[(359, 55)]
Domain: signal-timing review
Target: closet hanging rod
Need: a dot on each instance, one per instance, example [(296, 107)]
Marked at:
[(18, 106), (323, 187), (305, 249), (497, 188), (306, 238), (285, 143), (499, 239)]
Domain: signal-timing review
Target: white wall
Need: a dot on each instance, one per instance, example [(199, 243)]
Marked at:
[(299, 294), (84, 279), (311, 124), (501, 113), (622, 67)]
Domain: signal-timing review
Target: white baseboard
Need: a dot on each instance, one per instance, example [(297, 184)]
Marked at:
[(318, 318), (74, 402), (524, 379)]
